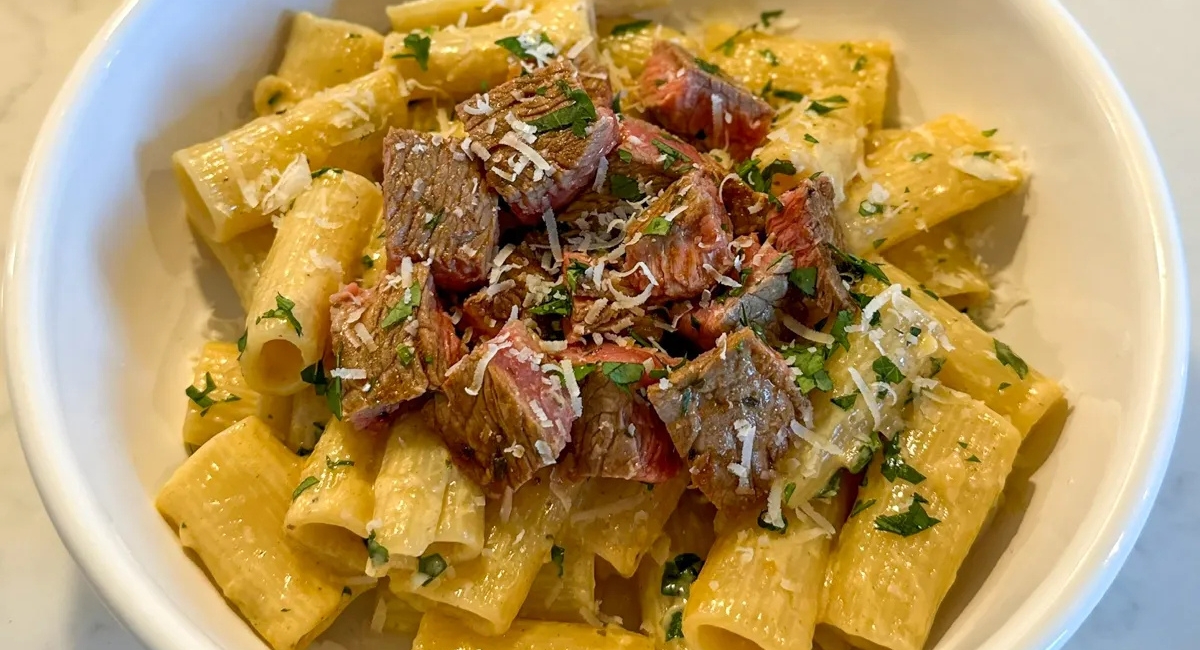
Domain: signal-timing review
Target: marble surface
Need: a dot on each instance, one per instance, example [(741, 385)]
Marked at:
[(46, 604)]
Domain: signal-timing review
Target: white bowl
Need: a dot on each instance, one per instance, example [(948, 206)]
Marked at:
[(107, 297)]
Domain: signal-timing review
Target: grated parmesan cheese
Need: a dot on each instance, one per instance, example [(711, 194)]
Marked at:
[(481, 368), (544, 452), (800, 329), (295, 179), (364, 335), (348, 373), (868, 396), (568, 373)]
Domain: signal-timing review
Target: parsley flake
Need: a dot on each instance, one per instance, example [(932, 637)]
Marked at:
[(431, 565), (577, 116), (845, 402), (629, 28), (859, 506), (886, 370), (417, 46), (679, 573), (909, 522), (376, 551), (404, 308), (558, 554), (921, 156), (657, 226), (624, 187), (304, 485), (283, 312), (1009, 358), (894, 466)]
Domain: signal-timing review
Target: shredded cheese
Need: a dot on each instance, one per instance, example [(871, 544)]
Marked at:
[(481, 368), (868, 396), (806, 332)]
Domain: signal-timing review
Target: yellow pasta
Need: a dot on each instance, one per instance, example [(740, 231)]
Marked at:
[(441, 632), (1008, 385), (336, 486), (487, 592), (242, 257), (214, 407), (898, 556), (318, 243), (310, 416), (415, 484), (626, 51), (813, 141), (619, 520), (462, 62), (237, 182), (941, 260), (422, 14), (565, 588), (920, 178), (320, 53), (228, 503), (791, 65), (395, 615), (689, 530)]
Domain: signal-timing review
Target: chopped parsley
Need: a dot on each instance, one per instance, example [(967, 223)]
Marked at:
[(557, 303), (983, 154), (376, 551), (241, 342), (575, 270), (283, 312), (657, 226), (845, 402), (859, 267), (843, 320), (763, 523), (789, 95), (886, 370), (894, 466), (624, 187), (869, 209), (558, 554), (202, 398), (1009, 358), (675, 625), (685, 402), (822, 108), (622, 374), (962, 443), (629, 28), (865, 453), (929, 292), (304, 485), (275, 96), (330, 387), (768, 16), (1003, 385), (878, 242), (759, 179), (859, 64), (770, 57), (583, 370), (367, 262), (974, 459), (832, 486), (672, 154), (417, 47), (404, 308), (333, 463), (625, 155), (726, 46), (708, 66), (921, 157), (326, 170), (909, 522), (616, 102), (989, 133), (808, 138), (431, 565), (859, 506), (788, 491), (679, 573), (937, 363), (577, 116), (804, 279), (809, 361), (434, 219)]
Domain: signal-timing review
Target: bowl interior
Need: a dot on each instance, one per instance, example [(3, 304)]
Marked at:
[(113, 298)]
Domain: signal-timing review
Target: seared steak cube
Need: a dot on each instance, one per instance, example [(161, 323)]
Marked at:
[(748, 209), (729, 413), (682, 239), (690, 97), (763, 276), (438, 344), (516, 278), (618, 434), (438, 207), (383, 340), (545, 138), (502, 416), (807, 229)]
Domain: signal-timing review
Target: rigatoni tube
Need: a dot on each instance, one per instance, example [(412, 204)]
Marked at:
[(925, 500), (235, 183), (287, 325)]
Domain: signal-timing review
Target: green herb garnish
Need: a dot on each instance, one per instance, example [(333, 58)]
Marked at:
[(909, 522), (304, 485), (283, 312), (431, 565), (1009, 358), (417, 46), (679, 573)]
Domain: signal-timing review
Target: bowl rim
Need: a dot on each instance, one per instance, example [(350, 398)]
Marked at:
[(1055, 610)]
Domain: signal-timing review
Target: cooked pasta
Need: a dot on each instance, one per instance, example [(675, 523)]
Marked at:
[(575, 333)]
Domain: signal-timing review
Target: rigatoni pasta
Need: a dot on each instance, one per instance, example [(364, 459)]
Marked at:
[(244, 478), (320, 53), (318, 243), (666, 394), (923, 504), (237, 182)]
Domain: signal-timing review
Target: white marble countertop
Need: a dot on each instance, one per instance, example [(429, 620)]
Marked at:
[(46, 604)]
